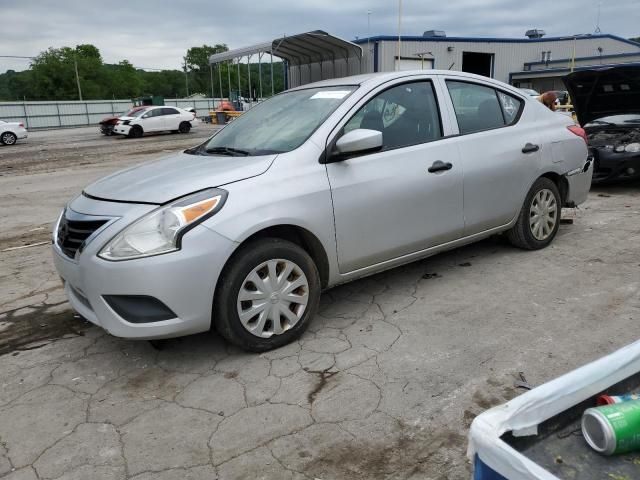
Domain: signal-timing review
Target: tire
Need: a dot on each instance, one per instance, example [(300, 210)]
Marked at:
[(256, 260), (8, 138), (534, 231), (184, 127), (135, 132)]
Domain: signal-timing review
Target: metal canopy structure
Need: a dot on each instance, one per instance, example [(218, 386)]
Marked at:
[(307, 57)]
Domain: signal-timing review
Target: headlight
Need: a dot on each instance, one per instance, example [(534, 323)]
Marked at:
[(161, 230), (619, 148), (632, 147)]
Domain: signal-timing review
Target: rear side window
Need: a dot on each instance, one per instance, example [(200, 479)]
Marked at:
[(510, 107), (406, 114), (169, 111), (479, 107)]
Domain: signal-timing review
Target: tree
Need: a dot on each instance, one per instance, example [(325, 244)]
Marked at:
[(54, 77), (196, 64)]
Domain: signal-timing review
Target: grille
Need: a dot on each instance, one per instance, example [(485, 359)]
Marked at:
[(72, 234)]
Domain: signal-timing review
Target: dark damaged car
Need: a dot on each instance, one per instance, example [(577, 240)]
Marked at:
[(607, 105)]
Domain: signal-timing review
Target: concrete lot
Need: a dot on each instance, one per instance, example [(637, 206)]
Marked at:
[(384, 384)]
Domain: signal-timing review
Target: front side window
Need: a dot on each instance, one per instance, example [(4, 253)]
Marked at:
[(477, 107), (406, 115), (278, 125)]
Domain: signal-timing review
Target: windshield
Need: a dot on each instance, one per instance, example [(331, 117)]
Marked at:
[(136, 113), (278, 125), (616, 120)]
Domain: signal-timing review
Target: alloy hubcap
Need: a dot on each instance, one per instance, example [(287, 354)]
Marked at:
[(273, 298), (543, 214), (8, 139)]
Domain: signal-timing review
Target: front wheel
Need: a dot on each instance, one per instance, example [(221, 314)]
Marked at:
[(539, 217), (184, 127), (136, 131), (267, 295), (8, 138)]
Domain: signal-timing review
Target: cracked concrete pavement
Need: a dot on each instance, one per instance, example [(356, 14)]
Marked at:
[(383, 385)]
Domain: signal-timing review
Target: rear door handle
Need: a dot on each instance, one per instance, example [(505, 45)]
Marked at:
[(439, 166), (530, 148)]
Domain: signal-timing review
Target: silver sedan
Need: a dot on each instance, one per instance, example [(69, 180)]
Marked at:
[(316, 186)]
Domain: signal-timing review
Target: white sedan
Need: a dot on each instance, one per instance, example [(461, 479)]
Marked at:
[(10, 132), (155, 119)]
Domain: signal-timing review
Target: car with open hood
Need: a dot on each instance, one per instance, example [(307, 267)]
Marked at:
[(316, 186), (607, 105)]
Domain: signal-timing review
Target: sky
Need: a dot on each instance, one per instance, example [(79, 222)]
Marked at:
[(157, 33)]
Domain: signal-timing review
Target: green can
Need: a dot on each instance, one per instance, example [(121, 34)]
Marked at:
[(613, 428)]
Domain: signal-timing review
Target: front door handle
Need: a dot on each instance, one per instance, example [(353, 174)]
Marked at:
[(530, 148), (439, 166)]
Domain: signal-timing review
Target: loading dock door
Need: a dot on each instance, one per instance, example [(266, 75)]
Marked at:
[(478, 63)]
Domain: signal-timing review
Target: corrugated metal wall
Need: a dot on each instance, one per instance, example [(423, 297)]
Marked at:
[(76, 114), (508, 57), (314, 72)]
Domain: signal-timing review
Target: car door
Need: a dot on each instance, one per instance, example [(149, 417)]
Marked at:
[(498, 152), (171, 118), (152, 120), (387, 203)]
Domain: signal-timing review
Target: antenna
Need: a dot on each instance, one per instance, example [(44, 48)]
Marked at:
[(598, 19)]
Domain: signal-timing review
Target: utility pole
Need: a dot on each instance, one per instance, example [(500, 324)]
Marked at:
[(75, 64), (369, 67), (399, 31)]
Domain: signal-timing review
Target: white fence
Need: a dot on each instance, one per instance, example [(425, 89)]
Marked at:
[(36, 115)]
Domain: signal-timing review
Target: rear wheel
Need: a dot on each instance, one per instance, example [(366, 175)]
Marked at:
[(184, 127), (136, 131), (8, 138), (267, 295), (539, 217)]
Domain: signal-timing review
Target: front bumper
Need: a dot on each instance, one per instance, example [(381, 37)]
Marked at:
[(106, 129), (184, 281), (611, 166), (122, 129)]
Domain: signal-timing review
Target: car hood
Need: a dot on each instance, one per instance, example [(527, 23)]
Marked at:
[(108, 119), (601, 92), (175, 176)]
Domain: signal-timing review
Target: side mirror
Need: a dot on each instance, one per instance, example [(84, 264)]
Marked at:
[(360, 140)]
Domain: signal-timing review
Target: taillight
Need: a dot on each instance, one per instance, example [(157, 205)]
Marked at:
[(579, 131), (21, 125)]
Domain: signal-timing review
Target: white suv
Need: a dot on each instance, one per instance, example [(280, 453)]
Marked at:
[(155, 119), (10, 132)]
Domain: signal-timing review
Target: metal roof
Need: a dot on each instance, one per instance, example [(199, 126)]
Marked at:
[(304, 48)]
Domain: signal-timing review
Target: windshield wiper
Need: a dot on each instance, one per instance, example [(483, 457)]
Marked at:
[(234, 152)]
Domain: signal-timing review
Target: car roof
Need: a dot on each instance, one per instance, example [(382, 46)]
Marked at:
[(373, 79)]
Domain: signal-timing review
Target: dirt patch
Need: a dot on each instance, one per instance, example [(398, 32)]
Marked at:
[(413, 453), (35, 326), (38, 234)]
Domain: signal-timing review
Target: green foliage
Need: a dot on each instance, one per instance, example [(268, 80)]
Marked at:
[(635, 39), (52, 77)]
